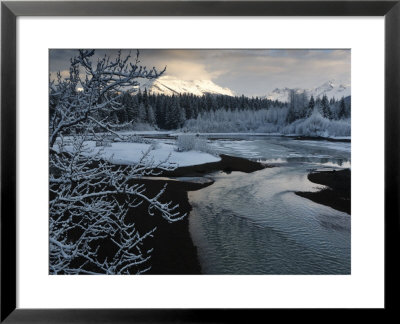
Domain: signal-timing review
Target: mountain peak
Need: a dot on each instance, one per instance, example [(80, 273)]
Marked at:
[(330, 88), (171, 86)]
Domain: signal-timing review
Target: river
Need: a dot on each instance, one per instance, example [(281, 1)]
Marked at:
[(255, 223)]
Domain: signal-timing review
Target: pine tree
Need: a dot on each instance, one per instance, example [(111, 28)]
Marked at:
[(175, 115), (133, 110), (151, 117), (311, 105), (348, 110), (291, 115), (303, 109), (170, 118), (142, 115), (326, 112), (342, 109), (139, 96)]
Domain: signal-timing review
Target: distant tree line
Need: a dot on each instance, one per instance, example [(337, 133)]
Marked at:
[(171, 112), (301, 106)]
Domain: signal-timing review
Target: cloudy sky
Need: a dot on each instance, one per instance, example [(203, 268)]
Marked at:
[(250, 72)]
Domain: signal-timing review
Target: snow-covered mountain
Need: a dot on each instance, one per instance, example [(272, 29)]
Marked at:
[(168, 85), (330, 89), (281, 94)]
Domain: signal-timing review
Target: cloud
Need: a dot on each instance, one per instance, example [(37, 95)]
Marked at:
[(245, 71), (190, 71)]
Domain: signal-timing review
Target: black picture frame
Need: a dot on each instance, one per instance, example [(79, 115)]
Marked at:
[(10, 10)]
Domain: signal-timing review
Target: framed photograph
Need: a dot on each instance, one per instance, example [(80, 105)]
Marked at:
[(190, 161)]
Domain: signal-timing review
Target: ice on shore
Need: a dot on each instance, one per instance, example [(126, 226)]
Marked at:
[(131, 153)]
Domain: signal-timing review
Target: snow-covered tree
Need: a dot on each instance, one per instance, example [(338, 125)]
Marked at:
[(91, 88), (90, 198), (271, 120)]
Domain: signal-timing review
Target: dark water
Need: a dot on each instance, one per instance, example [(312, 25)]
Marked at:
[(255, 224)]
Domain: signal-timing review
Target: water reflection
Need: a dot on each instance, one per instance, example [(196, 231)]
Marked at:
[(255, 224)]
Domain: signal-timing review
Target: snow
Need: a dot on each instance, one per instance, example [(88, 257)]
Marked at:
[(330, 88), (170, 86), (197, 180), (149, 132), (174, 134), (130, 153), (268, 121), (318, 126), (281, 95)]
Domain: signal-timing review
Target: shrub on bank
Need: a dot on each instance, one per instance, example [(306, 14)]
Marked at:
[(191, 142)]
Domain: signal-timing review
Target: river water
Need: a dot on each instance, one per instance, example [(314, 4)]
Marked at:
[(254, 223)]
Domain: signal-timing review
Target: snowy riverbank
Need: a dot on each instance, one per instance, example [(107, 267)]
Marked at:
[(159, 153)]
